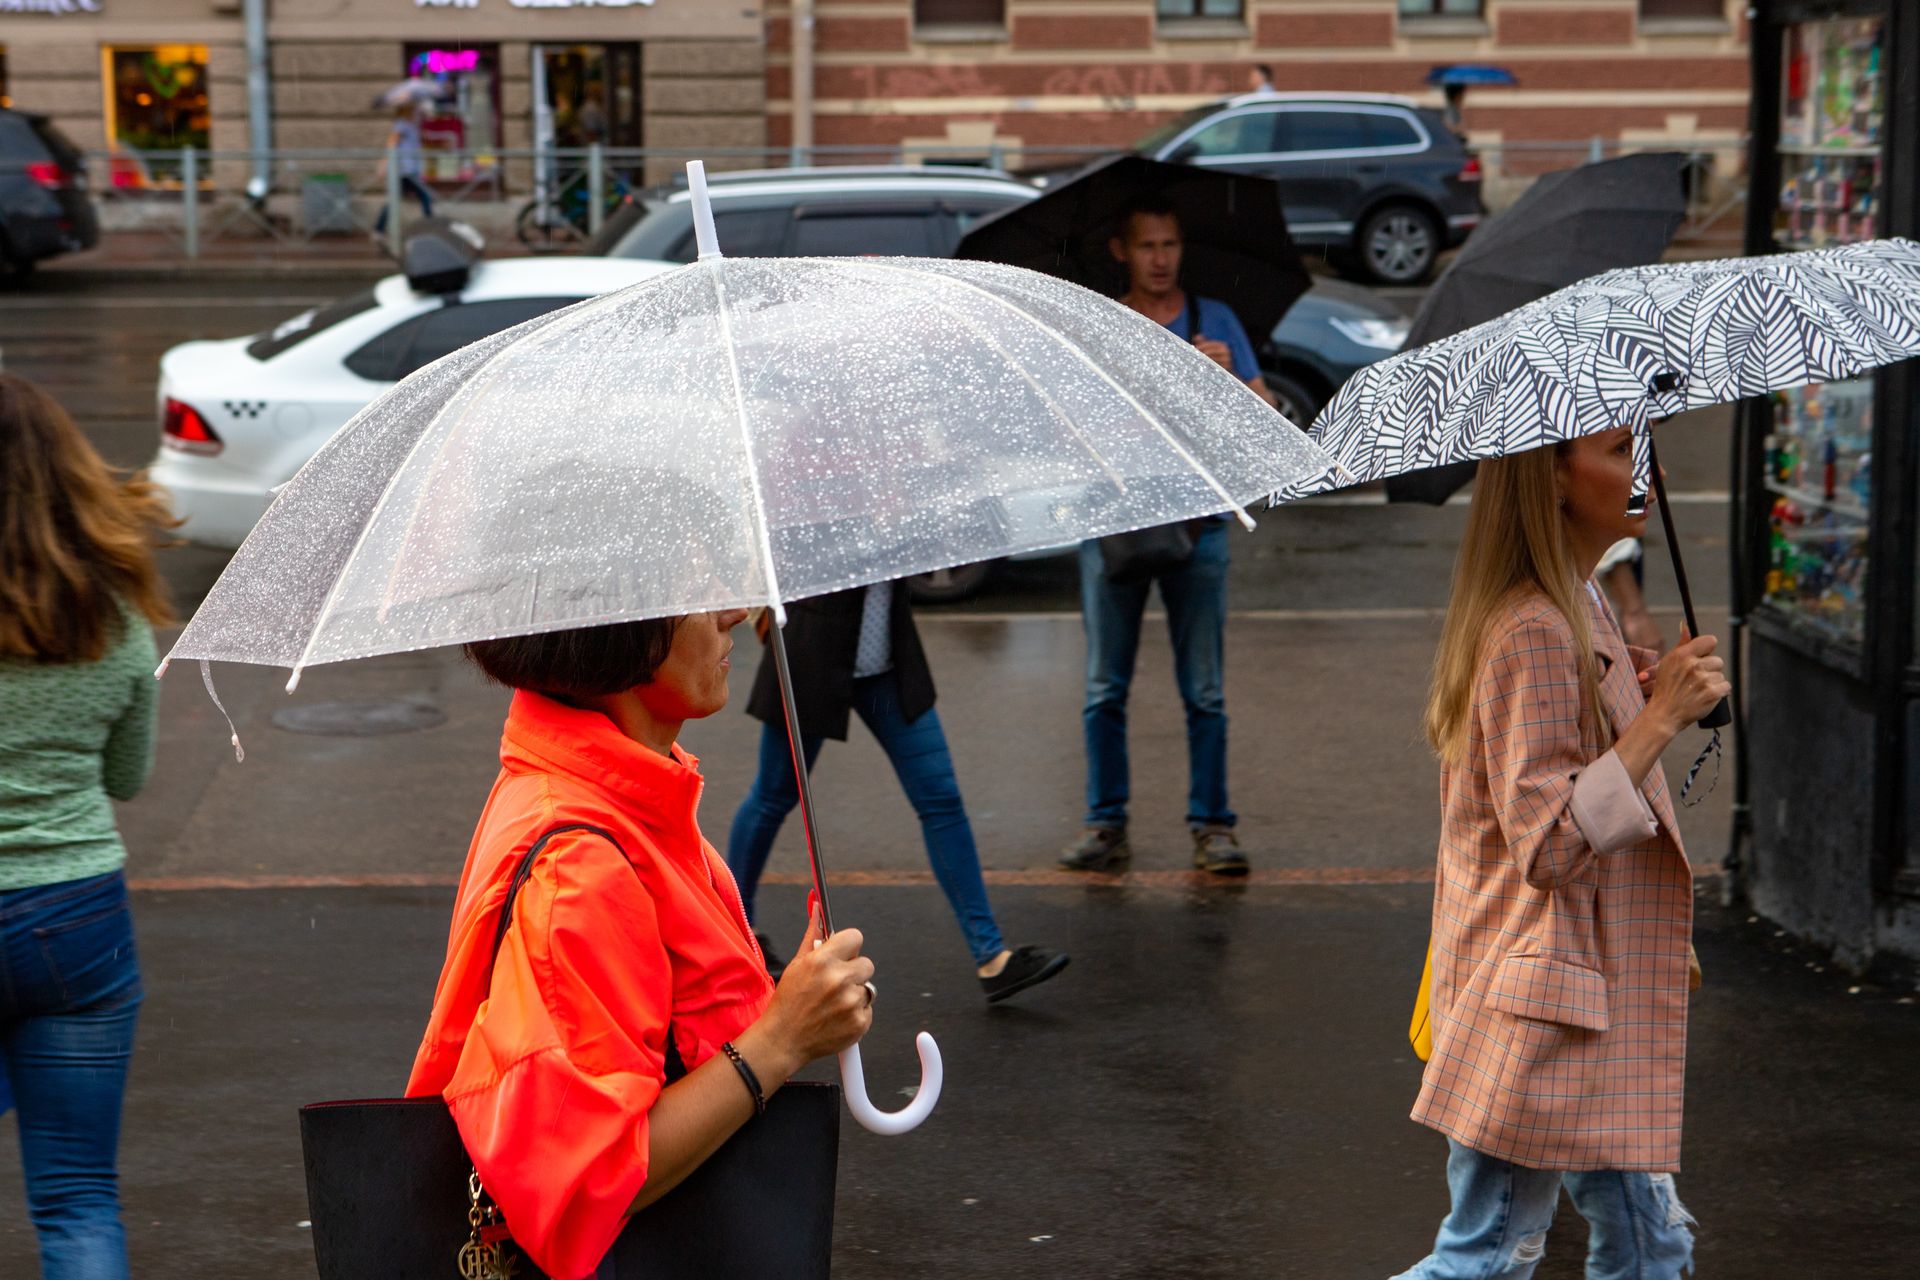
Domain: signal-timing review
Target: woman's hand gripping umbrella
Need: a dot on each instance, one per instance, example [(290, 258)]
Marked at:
[(739, 433)]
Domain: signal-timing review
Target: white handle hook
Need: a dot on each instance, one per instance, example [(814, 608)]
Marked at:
[(890, 1124)]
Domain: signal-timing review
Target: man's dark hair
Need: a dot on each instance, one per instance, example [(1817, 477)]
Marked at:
[(1153, 206), (586, 663), (1266, 72)]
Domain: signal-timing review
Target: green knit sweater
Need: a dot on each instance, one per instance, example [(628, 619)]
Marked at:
[(71, 735)]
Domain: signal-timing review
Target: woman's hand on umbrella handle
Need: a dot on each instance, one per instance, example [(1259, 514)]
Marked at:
[(823, 1003), (1687, 683)]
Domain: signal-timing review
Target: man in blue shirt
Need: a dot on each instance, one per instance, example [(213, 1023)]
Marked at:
[(1195, 595)]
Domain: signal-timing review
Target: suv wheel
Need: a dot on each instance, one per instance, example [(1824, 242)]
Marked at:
[(1295, 403), (1397, 245)]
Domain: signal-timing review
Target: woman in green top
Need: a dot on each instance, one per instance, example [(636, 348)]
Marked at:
[(78, 595)]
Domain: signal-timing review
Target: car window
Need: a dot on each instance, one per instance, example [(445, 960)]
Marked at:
[(1323, 131), (843, 235), (291, 333), (743, 233), (418, 341), (1249, 133), (1162, 135), (18, 142), (1391, 131)]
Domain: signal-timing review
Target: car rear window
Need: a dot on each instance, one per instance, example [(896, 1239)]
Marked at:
[(19, 144), (742, 233), (418, 341), (853, 234), (1391, 131), (1323, 131), (58, 143), (291, 333)]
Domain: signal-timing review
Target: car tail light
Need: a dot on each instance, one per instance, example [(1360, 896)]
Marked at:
[(47, 174), (1470, 171), (184, 429)]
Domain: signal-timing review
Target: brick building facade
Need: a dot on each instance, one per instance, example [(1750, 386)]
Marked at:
[(1023, 76)]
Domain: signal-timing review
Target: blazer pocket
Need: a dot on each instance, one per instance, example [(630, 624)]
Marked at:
[(1549, 989)]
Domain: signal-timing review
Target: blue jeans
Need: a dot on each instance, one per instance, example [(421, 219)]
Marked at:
[(69, 995), (918, 750), (1196, 600), (412, 186), (1636, 1225)]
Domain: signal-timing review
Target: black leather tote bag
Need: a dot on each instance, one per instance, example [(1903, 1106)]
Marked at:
[(389, 1191), (1141, 555)]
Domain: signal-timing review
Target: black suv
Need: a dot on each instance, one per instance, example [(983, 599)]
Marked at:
[(1377, 183), (44, 209)]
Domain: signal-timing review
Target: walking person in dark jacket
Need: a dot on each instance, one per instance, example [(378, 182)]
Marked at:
[(78, 597), (858, 651)]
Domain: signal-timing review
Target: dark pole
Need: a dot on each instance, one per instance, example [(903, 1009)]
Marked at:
[(800, 771), (1722, 714)]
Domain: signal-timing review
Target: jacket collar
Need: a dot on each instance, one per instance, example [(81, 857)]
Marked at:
[(658, 792)]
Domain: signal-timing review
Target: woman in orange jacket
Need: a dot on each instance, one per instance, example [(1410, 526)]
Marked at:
[(556, 1070)]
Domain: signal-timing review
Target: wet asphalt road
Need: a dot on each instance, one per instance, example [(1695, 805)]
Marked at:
[(1217, 1087)]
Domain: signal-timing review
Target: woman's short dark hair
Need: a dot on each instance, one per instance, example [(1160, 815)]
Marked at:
[(587, 663)]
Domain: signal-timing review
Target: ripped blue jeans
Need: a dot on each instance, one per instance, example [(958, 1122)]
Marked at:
[(1637, 1227)]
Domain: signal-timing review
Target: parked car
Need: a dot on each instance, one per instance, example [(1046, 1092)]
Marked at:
[(1378, 183), (239, 416), (44, 207), (900, 210)]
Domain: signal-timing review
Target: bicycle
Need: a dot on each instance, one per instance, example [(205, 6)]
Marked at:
[(556, 219)]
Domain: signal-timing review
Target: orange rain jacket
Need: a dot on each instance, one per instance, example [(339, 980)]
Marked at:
[(550, 1073)]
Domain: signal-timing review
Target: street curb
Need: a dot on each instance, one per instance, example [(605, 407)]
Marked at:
[(201, 269)]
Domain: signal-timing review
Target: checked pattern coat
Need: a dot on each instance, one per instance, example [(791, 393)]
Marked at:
[(1562, 914)]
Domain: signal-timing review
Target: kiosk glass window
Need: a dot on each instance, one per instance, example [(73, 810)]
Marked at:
[(156, 101), (460, 129)]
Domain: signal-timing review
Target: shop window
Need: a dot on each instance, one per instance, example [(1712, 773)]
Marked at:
[(1441, 8), (5, 101), (156, 101), (959, 13), (460, 129), (1199, 8), (594, 90), (1701, 10)]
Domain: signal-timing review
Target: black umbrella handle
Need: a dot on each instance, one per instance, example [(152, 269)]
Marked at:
[(1722, 714)]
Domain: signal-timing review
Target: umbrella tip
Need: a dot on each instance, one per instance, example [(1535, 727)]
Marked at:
[(705, 237)]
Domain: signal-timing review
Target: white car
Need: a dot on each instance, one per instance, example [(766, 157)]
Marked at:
[(238, 417)]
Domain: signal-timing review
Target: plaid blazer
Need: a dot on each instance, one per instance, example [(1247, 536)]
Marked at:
[(1563, 906)]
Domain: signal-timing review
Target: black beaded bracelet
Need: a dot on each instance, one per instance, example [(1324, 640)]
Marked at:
[(747, 1077)]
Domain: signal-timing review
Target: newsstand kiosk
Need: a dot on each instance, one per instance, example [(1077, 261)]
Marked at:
[(1827, 840)]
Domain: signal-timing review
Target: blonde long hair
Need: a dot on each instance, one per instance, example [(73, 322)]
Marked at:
[(1516, 543), (75, 540)]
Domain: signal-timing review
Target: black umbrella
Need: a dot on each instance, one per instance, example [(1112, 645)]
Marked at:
[(1569, 225), (1236, 244)]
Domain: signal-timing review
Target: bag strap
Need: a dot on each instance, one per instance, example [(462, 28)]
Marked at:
[(676, 1066)]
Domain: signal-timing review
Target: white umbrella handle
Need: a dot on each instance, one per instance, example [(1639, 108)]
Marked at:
[(888, 1124)]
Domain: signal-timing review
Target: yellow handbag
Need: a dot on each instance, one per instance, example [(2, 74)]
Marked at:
[(1421, 1031)]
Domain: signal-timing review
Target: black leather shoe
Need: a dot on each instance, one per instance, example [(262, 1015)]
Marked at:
[(774, 967), (1026, 967), (1098, 849)]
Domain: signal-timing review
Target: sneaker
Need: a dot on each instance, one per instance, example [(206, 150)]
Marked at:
[(774, 967), (1026, 967), (1216, 850), (1098, 849)]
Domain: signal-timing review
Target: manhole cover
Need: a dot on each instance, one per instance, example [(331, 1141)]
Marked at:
[(360, 717)]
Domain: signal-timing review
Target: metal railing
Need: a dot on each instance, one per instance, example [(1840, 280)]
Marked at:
[(194, 203)]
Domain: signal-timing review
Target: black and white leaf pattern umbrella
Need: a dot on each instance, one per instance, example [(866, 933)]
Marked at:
[(1629, 348)]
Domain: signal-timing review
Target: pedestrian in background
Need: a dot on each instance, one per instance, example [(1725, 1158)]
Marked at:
[(1260, 79), (78, 595), (1195, 593), (859, 651), (1563, 902), (598, 1047), (404, 152)]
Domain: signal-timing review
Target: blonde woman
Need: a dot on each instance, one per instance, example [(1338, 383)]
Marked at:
[(1563, 901)]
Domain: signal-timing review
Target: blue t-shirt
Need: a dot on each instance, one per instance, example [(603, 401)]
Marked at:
[(1218, 322)]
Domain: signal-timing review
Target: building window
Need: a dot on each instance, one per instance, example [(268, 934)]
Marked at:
[(5, 101), (156, 100), (460, 130), (959, 13), (1199, 8), (1441, 8), (1709, 10)]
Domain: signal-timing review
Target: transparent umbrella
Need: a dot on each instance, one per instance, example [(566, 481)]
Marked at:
[(742, 432)]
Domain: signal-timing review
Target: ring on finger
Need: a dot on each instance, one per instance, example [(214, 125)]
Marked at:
[(872, 991)]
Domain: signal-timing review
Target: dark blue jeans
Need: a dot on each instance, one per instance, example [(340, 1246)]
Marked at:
[(409, 186), (1196, 600), (69, 995), (918, 750)]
